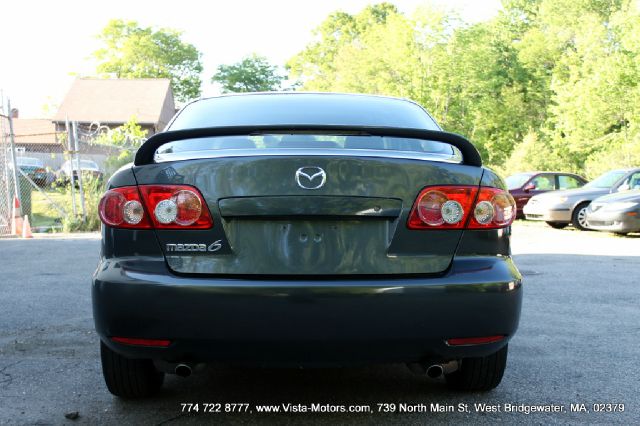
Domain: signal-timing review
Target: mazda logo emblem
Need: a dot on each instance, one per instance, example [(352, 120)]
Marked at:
[(310, 177)]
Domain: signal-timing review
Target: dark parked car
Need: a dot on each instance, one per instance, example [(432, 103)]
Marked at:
[(523, 186), (35, 169), (302, 229), (561, 208), (619, 213)]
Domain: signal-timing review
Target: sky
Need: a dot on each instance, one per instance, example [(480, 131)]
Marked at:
[(44, 43)]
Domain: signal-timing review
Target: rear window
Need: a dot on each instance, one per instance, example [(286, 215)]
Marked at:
[(275, 144), (28, 161)]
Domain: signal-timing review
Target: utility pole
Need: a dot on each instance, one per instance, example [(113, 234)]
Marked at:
[(72, 167), (77, 154), (12, 140)]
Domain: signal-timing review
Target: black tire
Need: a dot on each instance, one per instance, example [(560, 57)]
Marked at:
[(557, 225), (479, 374), (578, 219), (621, 234), (129, 378)]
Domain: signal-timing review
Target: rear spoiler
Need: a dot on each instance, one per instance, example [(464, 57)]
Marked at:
[(145, 154)]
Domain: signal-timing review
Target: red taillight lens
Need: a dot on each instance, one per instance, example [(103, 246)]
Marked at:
[(457, 207), (463, 341), (494, 208), (176, 207), (160, 343), (442, 207), (122, 208), (163, 206)]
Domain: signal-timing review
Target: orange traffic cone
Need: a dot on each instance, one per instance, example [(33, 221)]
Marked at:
[(26, 228), (16, 223)]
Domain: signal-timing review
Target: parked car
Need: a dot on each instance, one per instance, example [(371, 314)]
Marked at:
[(523, 186), (618, 213), (89, 168), (312, 229), (561, 208), (35, 169)]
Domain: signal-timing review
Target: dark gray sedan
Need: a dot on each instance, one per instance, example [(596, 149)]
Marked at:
[(301, 229), (619, 213)]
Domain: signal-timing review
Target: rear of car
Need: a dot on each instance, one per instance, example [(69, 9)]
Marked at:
[(305, 230), (34, 169), (89, 170)]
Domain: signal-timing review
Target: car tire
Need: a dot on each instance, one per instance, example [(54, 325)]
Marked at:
[(557, 225), (579, 216), (129, 378), (479, 374)]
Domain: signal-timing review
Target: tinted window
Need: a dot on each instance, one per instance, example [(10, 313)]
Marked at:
[(280, 142), (303, 109), (544, 183), (28, 161), (568, 182)]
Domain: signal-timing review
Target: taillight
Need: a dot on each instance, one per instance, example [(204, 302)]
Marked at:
[(442, 207), (459, 207), (122, 208), (176, 207), (494, 208), (160, 206)]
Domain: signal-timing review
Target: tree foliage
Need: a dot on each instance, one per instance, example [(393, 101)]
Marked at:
[(127, 137), (252, 74), (546, 84), (131, 51)]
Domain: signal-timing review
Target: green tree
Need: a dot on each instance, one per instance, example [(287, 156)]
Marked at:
[(315, 66), (253, 73), (546, 84), (128, 138), (131, 51)]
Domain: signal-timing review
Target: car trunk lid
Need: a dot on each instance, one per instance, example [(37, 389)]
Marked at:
[(266, 223)]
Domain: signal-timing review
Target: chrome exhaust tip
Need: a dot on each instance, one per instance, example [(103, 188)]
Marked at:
[(435, 371), (183, 370)]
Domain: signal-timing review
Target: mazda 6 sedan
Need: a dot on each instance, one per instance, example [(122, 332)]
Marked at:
[(302, 230)]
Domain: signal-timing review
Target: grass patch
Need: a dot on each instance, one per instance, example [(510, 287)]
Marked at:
[(45, 214)]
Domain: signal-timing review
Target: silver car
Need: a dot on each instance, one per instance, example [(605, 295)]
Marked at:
[(561, 208), (618, 213)]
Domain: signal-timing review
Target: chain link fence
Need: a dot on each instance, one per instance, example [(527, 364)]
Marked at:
[(52, 177)]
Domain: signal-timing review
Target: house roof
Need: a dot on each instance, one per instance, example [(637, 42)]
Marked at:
[(114, 101), (34, 131)]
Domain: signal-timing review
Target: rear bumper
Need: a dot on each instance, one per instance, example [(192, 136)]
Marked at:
[(306, 322)]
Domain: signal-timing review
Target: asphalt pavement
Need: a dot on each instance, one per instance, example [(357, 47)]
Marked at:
[(577, 344)]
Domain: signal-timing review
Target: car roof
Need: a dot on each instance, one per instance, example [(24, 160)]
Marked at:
[(302, 108)]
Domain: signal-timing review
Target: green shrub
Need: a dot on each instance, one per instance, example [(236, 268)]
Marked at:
[(93, 190)]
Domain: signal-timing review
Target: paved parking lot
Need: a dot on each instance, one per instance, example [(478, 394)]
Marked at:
[(577, 343)]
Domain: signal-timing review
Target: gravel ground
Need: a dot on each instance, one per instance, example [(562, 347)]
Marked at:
[(577, 343)]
